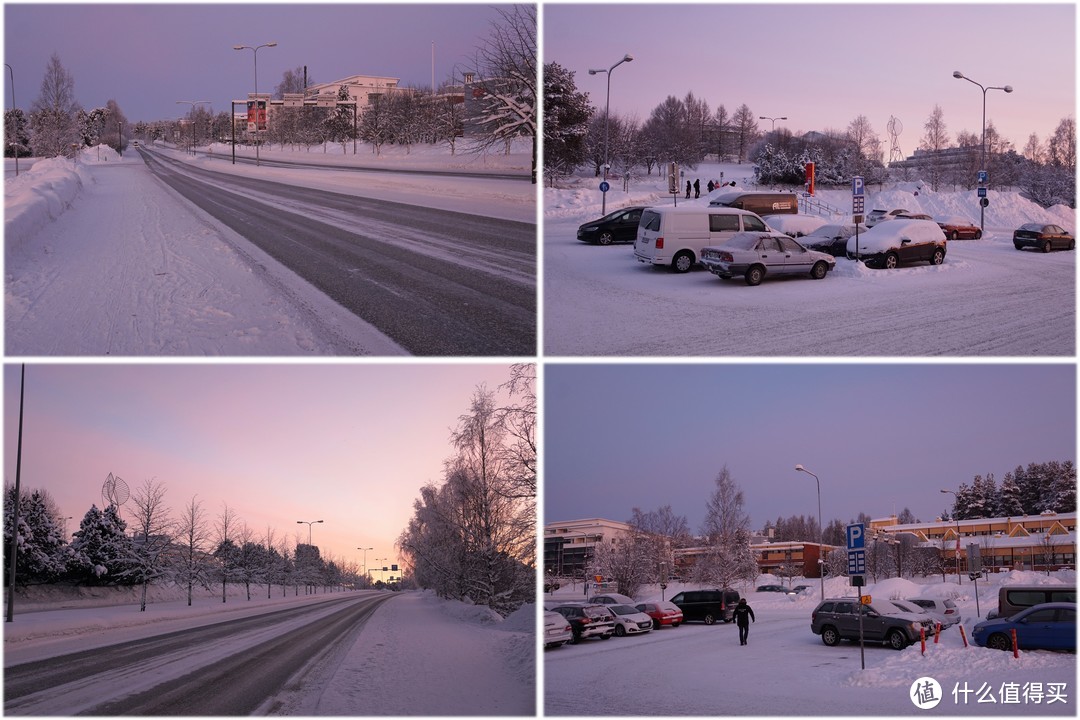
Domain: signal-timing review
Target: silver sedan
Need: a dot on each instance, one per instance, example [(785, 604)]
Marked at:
[(755, 255)]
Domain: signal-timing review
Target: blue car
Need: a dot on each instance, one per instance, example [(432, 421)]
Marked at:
[(1050, 626)]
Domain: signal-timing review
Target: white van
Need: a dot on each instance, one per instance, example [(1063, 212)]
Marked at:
[(675, 236)]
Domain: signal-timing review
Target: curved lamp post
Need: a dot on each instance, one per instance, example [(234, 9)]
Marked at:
[(774, 119), (309, 523), (982, 157), (607, 107), (12, 73), (821, 535), (255, 52)]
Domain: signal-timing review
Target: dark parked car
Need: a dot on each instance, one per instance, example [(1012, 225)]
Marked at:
[(771, 588), (888, 244), (587, 620), (1049, 626), (1043, 237), (837, 619), (619, 226), (831, 239), (708, 606)]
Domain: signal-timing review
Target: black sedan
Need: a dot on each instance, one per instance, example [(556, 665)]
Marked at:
[(1042, 236), (618, 226)]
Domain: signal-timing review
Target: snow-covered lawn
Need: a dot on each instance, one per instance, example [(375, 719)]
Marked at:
[(786, 670), (417, 655), (987, 299)]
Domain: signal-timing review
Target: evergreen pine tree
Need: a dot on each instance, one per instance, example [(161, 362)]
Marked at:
[(100, 548)]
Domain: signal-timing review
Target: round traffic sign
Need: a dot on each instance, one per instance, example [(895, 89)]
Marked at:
[(604, 186)]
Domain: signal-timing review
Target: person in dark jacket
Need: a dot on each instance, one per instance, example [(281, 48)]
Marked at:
[(697, 189), (687, 189), (743, 615)]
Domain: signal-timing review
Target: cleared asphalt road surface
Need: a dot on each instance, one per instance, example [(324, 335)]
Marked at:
[(435, 281), (229, 668)]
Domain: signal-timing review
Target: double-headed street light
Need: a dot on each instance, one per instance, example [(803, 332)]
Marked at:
[(365, 557), (950, 492), (255, 51), (774, 119), (821, 535), (309, 523), (193, 103), (982, 158), (607, 108)]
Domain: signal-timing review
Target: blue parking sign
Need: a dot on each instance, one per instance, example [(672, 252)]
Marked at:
[(856, 533), (858, 187)]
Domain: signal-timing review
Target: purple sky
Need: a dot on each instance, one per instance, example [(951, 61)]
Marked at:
[(822, 65), (147, 56), (347, 444), (879, 437)]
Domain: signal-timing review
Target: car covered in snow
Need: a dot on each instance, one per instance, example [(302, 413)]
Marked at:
[(618, 226), (887, 245), (556, 630), (878, 215), (662, 613), (612, 599), (1043, 236), (586, 620), (629, 620), (793, 225), (755, 255), (956, 227), (831, 238), (942, 610)]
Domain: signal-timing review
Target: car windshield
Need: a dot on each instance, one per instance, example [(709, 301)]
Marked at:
[(745, 241), (623, 609)]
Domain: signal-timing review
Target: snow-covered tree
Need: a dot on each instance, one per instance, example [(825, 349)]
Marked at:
[(566, 121), (192, 537), (16, 133), (934, 142), (52, 114), (225, 545), (744, 125), (153, 536), (507, 79), (100, 548), (42, 553), (726, 529)]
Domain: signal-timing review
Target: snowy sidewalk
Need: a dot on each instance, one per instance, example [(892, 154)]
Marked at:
[(128, 269), (422, 656)]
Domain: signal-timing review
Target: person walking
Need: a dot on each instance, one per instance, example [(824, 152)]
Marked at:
[(687, 189), (743, 615), (697, 189)]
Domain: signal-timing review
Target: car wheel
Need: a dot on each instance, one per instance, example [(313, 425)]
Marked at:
[(1047, 246), (674, 624), (891, 261), (620, 630), (1071, 245), (819, 270), (997, 641), (1018, 246), (683, 261), (938, 257), (605, 636), (896, 640), (605, 238), (830, 636), (709, 619), (755, 275), (954, 235), (978, 234)]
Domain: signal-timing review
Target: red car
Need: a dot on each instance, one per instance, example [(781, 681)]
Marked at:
[(662, 613), (958, 228)]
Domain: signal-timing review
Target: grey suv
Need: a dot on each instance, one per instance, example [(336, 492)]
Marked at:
[(837, 619)]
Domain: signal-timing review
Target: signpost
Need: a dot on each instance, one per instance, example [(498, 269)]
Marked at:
[(974, 571), (856, 549), (858, 207)]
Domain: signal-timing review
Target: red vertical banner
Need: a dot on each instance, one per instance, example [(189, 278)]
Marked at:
[(810, 178)]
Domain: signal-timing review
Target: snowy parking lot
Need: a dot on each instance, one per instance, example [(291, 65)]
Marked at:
[(987, 299), (785, 669)]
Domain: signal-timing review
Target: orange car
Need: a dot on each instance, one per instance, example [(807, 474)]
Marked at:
[(959, 228)]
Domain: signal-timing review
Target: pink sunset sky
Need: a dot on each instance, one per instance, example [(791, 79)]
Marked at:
[(349, 444), (822, 65)]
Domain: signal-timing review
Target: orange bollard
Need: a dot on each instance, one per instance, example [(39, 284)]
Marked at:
[(922, 638), (937, 632), (963, 634), (1016, 648)]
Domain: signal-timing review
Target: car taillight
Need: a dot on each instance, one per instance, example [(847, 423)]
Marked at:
[(949, 611), (659, 243), (726, 257)]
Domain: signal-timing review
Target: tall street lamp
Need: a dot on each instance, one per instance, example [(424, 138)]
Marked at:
[(821, 535), (309, 523), (774, 119), (193, 103), (982, 157), (365, 557), (382, 570), (607, 107), (255, 52), (958, 580), (12, 73)]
